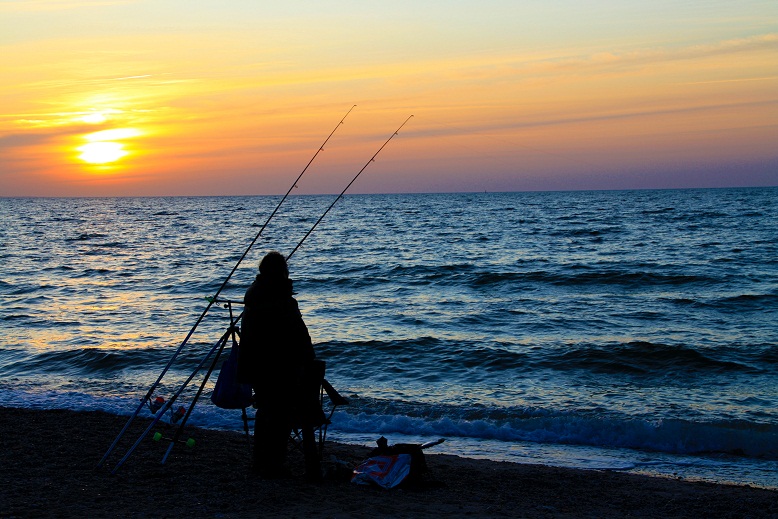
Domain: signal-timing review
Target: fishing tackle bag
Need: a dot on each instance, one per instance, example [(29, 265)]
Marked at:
[(228, 392)]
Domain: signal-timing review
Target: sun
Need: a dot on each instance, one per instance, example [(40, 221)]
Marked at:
[(101, 152), (94, 118), (105, 146)]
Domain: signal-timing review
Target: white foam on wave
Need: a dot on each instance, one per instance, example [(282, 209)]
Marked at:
[(670, 436)]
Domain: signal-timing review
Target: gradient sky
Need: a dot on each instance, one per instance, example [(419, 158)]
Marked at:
[(110, 97)]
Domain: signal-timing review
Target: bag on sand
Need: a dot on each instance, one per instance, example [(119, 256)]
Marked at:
[(389, 466), (384, 471)]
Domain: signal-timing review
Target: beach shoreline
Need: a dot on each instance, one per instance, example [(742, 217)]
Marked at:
[(49, 460)]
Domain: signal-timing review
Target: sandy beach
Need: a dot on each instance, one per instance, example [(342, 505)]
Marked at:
[(49, 470)]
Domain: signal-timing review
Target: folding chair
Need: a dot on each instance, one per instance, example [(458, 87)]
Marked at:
[(319, 413), (321, 402)]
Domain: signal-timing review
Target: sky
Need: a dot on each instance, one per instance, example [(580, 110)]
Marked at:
[(196, 97)]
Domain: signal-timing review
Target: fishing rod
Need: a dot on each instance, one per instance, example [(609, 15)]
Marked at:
[(175, 438), (221, 343), (372, 159), (213, 299)]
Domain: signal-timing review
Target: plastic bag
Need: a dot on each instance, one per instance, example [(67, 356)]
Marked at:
[(384, 471)]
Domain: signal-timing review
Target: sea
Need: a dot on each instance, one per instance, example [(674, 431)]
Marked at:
[(634, 331)]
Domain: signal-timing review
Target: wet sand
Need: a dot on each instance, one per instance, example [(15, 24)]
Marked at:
[(48, 469)]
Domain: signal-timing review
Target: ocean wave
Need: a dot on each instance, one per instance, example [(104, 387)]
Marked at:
[(426, 359), (752, 302), (375, 417), (663, 210), (648, 359), (414, 357), (537, 425), (587, 276), (21, 289), (586, 232), (734, 304), (86, 236), (91, 272), (559, 275), (769, 355), (91, 362)]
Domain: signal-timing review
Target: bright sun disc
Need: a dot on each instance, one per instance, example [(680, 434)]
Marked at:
[(94, 118), (101, 152), (104, 146)]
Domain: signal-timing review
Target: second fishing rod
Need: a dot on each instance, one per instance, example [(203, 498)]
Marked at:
[(183, 422)]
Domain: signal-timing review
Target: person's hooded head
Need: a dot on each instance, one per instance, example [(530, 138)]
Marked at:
[(273, 267), (274, 273)]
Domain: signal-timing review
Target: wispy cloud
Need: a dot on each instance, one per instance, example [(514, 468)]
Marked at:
[(11, 6), (740, 80), (445, 129), (615, 59), (721, 48), (33, 138), (143, 76)]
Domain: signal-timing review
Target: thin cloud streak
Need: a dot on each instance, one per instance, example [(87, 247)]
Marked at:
[(739, 80), (25, 6), (515, 125), (615, 60)]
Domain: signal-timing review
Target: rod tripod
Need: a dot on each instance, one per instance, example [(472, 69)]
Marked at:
[(215, 352), (231, 333)]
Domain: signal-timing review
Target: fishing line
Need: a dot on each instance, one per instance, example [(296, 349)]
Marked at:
[(372, 159), (213, 299)]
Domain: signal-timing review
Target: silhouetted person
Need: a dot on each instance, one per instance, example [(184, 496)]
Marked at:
[(275, 355)]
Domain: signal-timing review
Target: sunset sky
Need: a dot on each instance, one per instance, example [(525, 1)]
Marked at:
[(112, 97)]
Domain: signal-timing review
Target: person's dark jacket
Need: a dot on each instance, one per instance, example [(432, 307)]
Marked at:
[(275, 345)]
